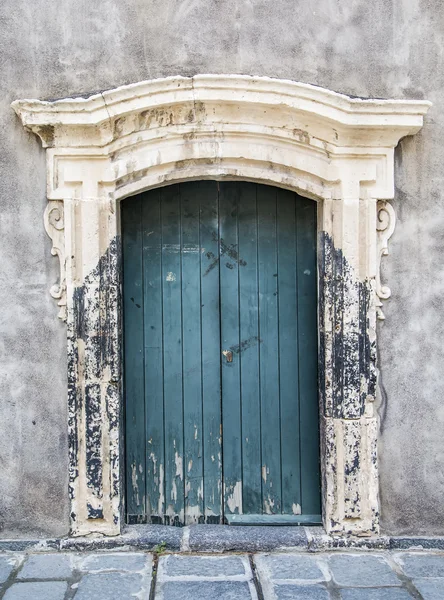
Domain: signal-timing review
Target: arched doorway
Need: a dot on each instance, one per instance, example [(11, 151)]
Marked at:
[(220, 347), (327, 146)]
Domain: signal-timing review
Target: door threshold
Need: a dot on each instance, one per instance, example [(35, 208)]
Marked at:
[(274, 520), (219, 538)]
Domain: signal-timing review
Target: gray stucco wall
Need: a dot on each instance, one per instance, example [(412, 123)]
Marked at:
[(384, 48)]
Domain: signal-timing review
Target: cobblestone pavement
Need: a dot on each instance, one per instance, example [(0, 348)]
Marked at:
[(274, 576)]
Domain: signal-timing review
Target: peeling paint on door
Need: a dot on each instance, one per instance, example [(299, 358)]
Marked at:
[(296, 509), (216, 269), (233, 498)]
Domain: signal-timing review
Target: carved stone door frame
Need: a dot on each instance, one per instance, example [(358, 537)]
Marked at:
[(323, 145)]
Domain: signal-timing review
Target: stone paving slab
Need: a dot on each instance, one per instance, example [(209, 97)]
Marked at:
[(375, 594), (421, 565), (57, 576), (125, 575), (110, 586), (353, 570), (328, 576), (205, 590), (430, 589), (48, 590), (288, 576), (204, 566), (7, 564), (47, 566), (300, 592), (184, 577), (300, 567), (117, 561)]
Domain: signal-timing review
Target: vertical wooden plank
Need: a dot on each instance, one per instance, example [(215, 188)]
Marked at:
[(248, 352), (153, 339), (307, 319), (229, 301), (192, 357), (269, 350), (207, 192), (134, 359), (172, 354), (288, 352)]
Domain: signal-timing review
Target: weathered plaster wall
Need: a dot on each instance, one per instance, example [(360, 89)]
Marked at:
[(379, 49)]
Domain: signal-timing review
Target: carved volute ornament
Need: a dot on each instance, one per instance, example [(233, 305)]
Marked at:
[(328, 147), (385, 226), (55, 228)]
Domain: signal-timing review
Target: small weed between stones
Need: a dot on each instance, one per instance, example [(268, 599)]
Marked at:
[(160, 548)]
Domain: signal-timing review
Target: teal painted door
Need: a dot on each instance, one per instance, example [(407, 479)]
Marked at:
[(220, 338)]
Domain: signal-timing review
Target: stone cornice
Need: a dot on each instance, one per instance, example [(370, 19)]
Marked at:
[(335, 118)]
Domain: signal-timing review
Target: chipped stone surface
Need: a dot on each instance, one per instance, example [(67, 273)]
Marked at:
[(346, 335), (145, 537), (93, 347)]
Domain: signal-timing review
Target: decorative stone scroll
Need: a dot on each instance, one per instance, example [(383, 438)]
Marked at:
[(385, 227), (333, 149), (54, 225)]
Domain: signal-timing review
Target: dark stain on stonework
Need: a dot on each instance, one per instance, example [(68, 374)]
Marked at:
[(352, 468), (349, 375), (95, 321), (74, 408), (93, 415), (94, 513), (46, 132)]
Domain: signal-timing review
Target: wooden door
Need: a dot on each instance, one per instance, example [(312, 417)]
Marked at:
[(220, 354)]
